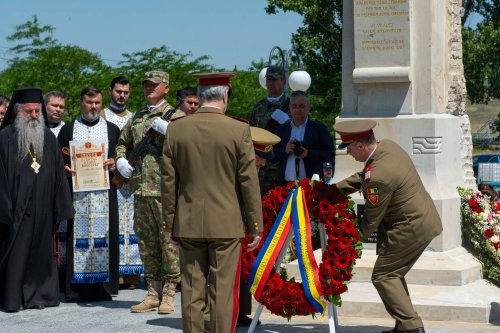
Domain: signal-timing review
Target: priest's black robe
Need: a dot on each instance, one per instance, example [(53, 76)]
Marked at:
[(95, 291), (31, 205)]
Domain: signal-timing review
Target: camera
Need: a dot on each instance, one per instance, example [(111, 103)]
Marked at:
[(299, 147)]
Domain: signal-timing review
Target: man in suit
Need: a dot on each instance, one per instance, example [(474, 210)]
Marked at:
[(305, 144), (208, 178), (398, 207)]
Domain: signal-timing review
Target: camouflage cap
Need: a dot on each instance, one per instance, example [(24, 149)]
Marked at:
[(275, 72), (156, 77)]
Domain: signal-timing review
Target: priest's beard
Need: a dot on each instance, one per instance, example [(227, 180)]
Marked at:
[(30, 134)]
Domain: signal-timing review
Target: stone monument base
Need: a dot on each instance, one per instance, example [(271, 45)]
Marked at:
[(443, 286), (433, 142)]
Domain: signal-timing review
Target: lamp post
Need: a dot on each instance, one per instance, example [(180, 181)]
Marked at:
[(299, 79)]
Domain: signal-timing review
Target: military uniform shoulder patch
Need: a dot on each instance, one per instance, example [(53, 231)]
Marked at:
[(372, 195), (368, 173)]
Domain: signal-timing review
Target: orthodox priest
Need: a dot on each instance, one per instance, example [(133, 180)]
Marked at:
[(34, 196), (92, 248)]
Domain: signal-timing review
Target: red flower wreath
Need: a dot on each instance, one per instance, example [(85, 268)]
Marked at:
[(328, 206)]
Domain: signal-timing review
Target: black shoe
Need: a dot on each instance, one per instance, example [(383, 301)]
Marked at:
[(415, 330), (36, 307), (245, 321), (206, 326)]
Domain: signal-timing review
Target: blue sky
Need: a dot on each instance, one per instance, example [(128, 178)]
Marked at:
[(231, 32)]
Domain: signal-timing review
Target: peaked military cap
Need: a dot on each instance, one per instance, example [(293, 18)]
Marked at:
[(214, 79), (263, 142), (352, 130)]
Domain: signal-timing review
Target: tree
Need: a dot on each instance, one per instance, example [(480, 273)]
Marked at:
[(319, 41), (43, 62), (176, 64), (481, 48)]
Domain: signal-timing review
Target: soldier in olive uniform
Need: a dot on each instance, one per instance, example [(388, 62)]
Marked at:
[(268, 114), (159, 256), (398, 207), (208, 180)]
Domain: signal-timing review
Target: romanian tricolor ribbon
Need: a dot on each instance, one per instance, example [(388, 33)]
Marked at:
[(305, 254), (269, 252), (293, 213)]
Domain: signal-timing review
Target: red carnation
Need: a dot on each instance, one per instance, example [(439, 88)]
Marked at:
[(473, 203), (488, 233)]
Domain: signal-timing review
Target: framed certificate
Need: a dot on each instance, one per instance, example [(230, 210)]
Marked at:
[(87, 159)]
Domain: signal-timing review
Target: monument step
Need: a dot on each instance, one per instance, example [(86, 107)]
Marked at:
[(474, 302), (455, 267)]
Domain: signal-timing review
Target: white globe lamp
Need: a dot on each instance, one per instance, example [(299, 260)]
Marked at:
[(299, 80), (262, 77)]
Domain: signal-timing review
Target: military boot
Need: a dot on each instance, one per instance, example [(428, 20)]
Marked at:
[(152, 299), (167, 299)]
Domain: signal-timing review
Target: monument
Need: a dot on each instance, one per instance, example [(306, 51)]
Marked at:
[(402, 67)]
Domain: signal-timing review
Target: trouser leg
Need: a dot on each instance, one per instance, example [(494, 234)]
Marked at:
[(194, 268), (146, 230), (388, 278), (168, 252), (225, 265)]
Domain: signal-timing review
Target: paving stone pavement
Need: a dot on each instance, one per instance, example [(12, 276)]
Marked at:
[(114, 316)]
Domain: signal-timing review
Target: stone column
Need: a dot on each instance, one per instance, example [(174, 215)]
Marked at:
[(402, 67)]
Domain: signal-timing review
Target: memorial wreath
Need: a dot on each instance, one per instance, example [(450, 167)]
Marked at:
[(328, 206)]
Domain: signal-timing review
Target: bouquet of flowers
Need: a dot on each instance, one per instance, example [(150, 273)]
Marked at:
[(481, 230)]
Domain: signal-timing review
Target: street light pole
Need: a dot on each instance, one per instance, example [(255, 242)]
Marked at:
[(298, 80)]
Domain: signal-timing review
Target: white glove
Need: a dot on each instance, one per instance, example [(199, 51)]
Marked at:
[(315, 177), (124, 168), (160, 125), (280, 116)]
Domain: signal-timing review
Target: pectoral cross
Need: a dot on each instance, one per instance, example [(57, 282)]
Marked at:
[(35, 166)]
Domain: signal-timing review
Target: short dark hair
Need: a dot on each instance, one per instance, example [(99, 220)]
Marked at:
[(123, 80), (299, 93), (4, 100), (186, 91), (90, 91), (53, 93), (487, 189)]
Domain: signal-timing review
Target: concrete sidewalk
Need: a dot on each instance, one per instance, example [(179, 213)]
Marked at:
[(114, 316)]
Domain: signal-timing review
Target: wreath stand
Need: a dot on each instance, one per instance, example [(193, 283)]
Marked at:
[(331, 308)]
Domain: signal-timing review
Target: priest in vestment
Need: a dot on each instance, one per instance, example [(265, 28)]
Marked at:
[(92, 248), (34, 197)]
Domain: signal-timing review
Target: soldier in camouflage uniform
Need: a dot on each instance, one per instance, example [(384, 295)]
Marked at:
[(268, 114), (159, 255)]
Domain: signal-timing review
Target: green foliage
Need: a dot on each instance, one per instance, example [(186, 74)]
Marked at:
[(474, 225), (51, 66), (481, 50), (481, 62), (176, 64), (246, 91), (319, 41), (32, 31)]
